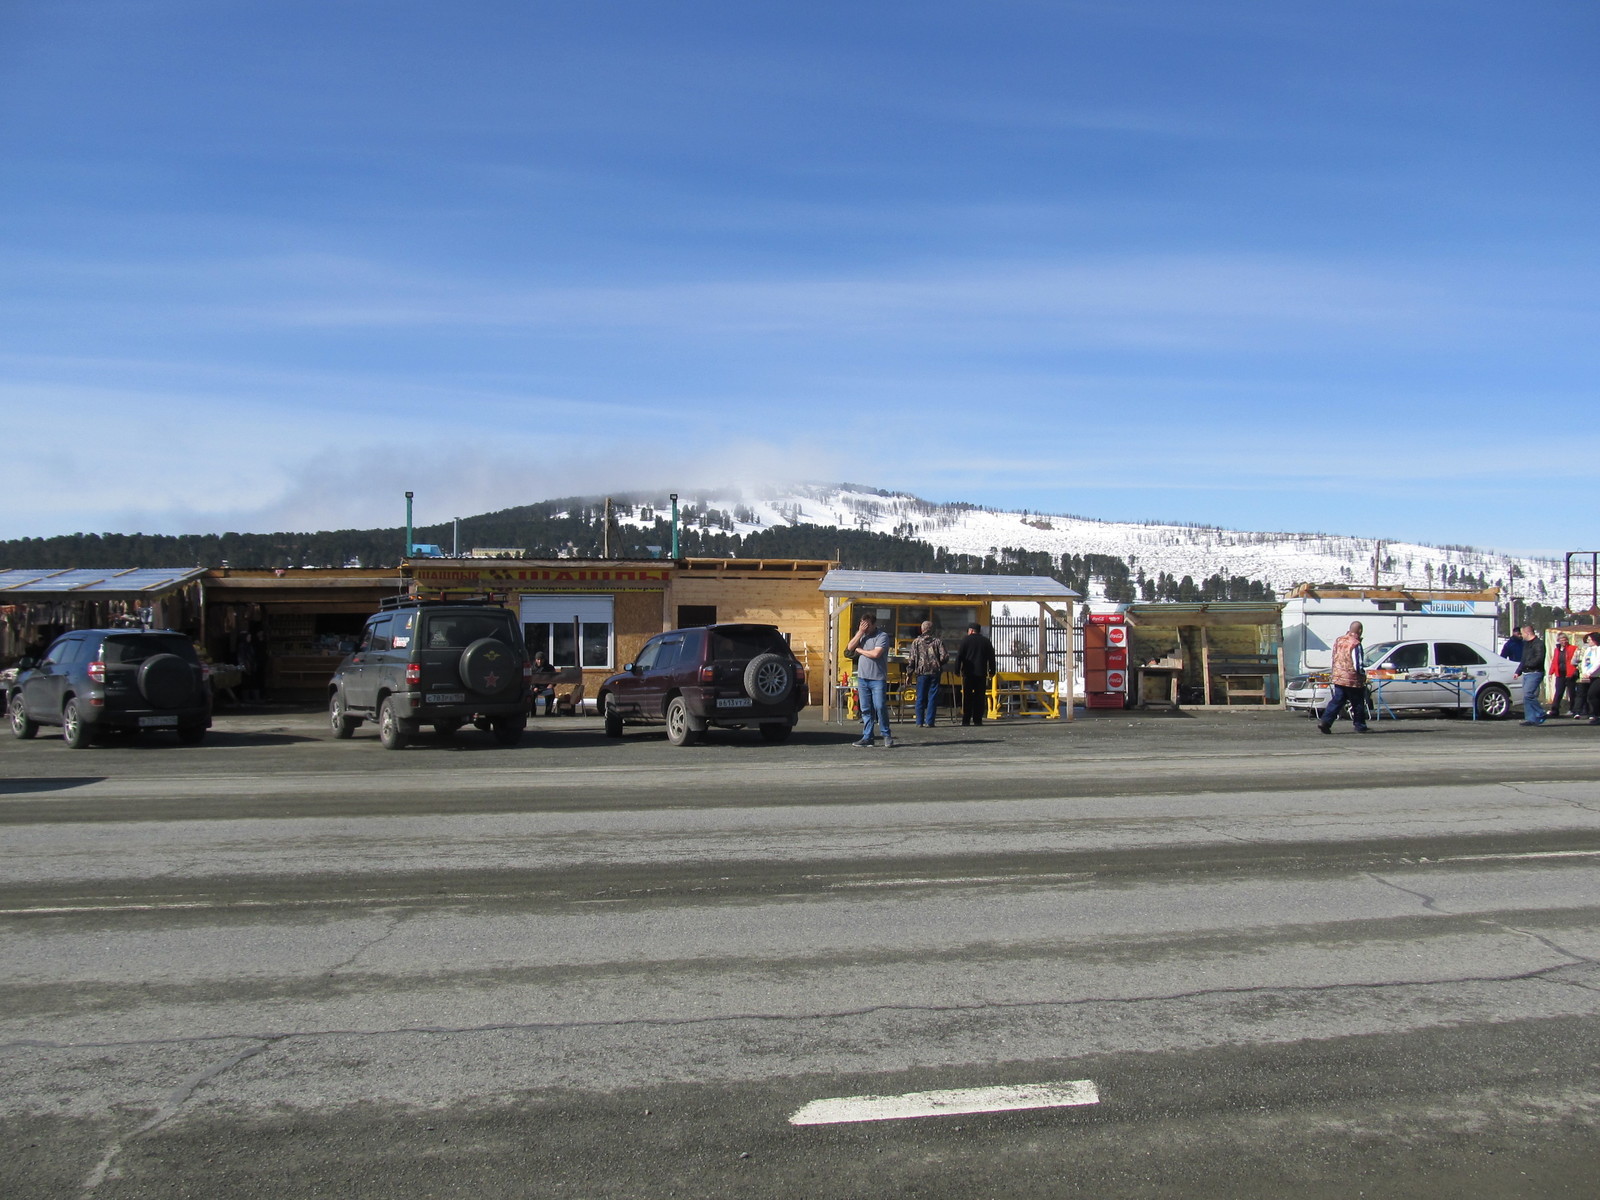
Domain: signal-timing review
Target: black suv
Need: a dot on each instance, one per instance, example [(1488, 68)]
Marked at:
[(727, 676), (426, 662), (130, 680)]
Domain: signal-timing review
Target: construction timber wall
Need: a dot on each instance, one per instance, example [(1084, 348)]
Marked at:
[(781, 592)]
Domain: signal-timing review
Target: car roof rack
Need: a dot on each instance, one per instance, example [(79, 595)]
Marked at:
[(466, 599)]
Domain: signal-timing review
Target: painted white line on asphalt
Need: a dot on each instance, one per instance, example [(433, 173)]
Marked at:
[(947, 1103), (893, 883), (333, 902), (1515, 857)]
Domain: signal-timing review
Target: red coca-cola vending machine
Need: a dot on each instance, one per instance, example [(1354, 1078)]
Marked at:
[(1105, 661)]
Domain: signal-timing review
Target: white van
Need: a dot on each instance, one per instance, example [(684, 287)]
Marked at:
[(1311, 622)]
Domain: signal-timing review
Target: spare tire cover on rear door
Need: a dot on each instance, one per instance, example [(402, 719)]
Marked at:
[(166, 681), (768, 678), (490, 667)]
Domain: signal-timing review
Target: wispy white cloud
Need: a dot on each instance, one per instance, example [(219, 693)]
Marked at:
[(1192, 302)]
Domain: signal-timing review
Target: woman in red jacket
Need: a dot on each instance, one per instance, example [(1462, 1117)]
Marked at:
[(1563, 674)]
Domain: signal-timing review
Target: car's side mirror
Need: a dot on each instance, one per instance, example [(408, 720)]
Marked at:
[(628, 667), (26, 664)]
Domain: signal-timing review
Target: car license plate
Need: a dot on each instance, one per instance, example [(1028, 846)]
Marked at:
[(736, 702), (448, 698), (149, 722)]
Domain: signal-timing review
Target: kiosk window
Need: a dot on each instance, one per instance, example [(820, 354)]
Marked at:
[(571, 630)]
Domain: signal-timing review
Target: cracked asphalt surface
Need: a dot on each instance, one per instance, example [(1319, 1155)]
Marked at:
[(278, 965)]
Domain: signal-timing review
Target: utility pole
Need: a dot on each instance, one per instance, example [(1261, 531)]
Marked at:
[(408, 525), (674, 498), (605, 531), (1377, 557)]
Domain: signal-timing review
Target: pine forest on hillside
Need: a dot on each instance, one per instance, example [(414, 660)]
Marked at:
[(862, 528)]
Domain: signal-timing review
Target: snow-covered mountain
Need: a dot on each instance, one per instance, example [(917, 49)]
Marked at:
[(1277, 558)]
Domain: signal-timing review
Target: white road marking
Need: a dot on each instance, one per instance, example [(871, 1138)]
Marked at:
[(1055, 876), (1514, 857), (947, 1103)]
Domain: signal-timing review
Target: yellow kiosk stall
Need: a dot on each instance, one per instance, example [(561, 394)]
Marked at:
[(901, 601)]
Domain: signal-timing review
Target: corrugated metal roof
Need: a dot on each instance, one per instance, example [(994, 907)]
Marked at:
[(1202, 606), (17, 581), (918, 583)]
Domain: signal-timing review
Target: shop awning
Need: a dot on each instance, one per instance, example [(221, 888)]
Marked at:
[(919, 583), (29, 583)]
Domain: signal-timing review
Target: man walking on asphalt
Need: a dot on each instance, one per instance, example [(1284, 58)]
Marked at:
[(1349, 682), (975, 661), (870, 646), (1532, 672)]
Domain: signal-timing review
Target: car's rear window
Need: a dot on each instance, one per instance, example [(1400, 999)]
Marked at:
[(746, 641), (135, 648), (457, 631)]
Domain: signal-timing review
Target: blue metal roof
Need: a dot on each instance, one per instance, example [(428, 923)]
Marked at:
[(917, 583), (18, 581)]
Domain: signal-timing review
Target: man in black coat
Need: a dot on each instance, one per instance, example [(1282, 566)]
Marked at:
[(975, 661)]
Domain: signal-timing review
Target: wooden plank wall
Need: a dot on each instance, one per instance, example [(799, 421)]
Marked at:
[(789, 601), (636, 618)]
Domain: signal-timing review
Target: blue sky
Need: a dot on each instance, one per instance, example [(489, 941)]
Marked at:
[(267, 264)]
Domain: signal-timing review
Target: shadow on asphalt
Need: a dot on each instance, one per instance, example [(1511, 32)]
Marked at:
[(20, 787)]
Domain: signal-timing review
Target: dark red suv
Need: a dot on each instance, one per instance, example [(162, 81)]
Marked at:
[(723, 676)]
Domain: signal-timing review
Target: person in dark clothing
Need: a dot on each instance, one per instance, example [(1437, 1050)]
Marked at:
[(975, 661), (1513, 647), (544, 684), (1532, 672)]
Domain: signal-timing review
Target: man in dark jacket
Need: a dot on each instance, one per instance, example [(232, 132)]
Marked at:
[(1532, 672), (975, 661)]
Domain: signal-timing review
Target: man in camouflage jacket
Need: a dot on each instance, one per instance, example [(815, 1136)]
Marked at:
[(925, 660), (1349, 682)]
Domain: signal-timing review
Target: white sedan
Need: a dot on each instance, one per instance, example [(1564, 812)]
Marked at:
[(1453, 676)]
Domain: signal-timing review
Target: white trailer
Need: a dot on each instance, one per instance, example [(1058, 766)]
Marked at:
[(1313, 617)]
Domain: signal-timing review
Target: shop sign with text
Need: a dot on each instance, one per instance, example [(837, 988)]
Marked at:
[(513, 578)]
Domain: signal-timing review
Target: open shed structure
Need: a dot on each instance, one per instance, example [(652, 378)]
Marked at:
[(903, 600), (1214, 654), (38, 605)]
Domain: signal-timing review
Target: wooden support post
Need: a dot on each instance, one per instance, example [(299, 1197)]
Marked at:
[(1205, 663)]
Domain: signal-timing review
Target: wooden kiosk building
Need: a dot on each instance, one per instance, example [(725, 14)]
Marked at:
[(901, 601)]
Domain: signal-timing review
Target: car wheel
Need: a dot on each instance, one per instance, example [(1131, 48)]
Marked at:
[(343, 725), (192, 734), (390, 732), (1494, 702), (73, 731), (508, 730), (680, 732), (613, 717), (21, 725), (768, 678), (776, 733)]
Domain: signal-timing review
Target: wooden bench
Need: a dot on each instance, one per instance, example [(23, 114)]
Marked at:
[(1242, 678)]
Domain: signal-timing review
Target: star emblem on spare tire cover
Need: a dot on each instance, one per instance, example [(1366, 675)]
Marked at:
[(492, 681)]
